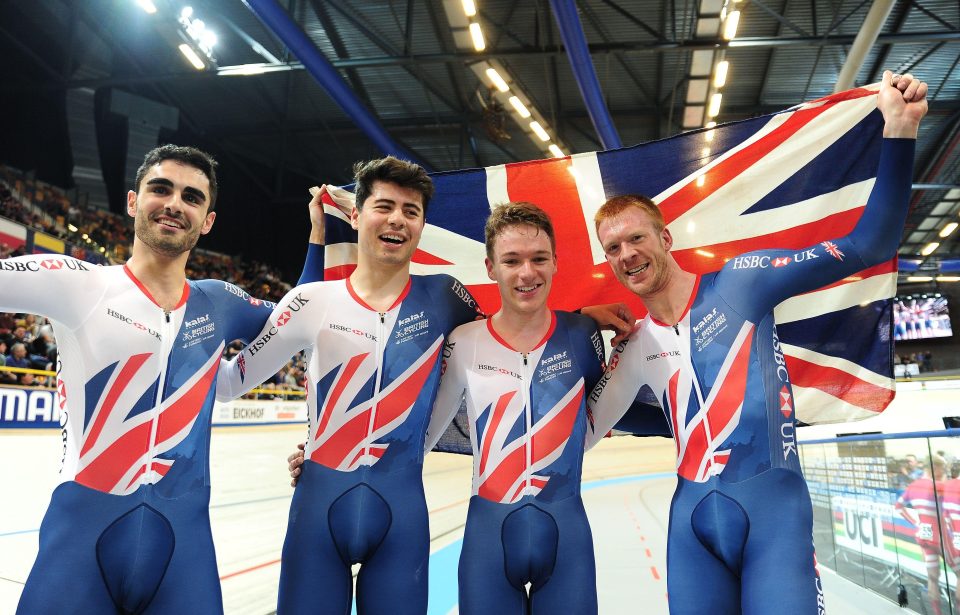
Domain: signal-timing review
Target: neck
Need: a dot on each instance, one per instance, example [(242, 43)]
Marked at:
[(668, 303), (379, 286), (522, 330), (164, 276)]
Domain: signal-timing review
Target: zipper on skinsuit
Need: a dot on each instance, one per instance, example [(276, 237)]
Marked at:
[(381, 321), (528, 420), (166, 325), (687, 356)]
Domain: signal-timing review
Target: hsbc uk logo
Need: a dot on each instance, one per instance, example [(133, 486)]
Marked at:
[(499, 370), (134, 323), (359, 332), (755, 261), (49, 264), (239, 292)]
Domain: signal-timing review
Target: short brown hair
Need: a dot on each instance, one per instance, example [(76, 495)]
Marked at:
[(190, 156), (512, 214), (395, 171), (618, 204)]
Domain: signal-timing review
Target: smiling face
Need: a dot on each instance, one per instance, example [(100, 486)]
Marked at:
[(522, 264), (636, 251), (170, 209), (389, 224)]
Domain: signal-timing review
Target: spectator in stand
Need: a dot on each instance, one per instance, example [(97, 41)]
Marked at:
[(18, 356), (43, 342), (20, 335)]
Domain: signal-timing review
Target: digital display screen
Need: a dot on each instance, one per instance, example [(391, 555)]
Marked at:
[(920, 317)]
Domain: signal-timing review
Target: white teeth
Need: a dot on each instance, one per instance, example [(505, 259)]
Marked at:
[(392, 238), (638, 269), (170, 223), (527, 289)]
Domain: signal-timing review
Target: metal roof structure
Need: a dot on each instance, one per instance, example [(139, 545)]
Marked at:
[(412, 69)]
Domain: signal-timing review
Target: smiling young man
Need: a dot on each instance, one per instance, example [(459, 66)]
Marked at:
[(374, 367), (525, 374), (741, 519), (127, 529)]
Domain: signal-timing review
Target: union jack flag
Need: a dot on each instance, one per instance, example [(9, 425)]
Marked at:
[(788, 180)]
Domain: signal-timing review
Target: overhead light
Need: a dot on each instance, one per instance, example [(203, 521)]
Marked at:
[(929, 248), (714, 107), (71, 228), (147, 6), (730, 25), (919, 278), (556, 151), (497, 80), (945, 231), (538, 129), (477, 35), (186, 13), (720, 74), (469, 8), (709, 135), (192, 56), (519, 106), (242, 69), (705, 253), (948, 278)]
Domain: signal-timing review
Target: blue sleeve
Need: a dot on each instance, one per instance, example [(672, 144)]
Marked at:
[(242, 315), (755, 282), (313, 267), (463, 308), (588, 347)]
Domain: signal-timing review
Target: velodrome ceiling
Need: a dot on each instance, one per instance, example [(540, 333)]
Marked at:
[(411, 64)]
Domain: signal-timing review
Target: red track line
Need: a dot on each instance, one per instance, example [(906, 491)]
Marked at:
[(656, 575), (250, 569)]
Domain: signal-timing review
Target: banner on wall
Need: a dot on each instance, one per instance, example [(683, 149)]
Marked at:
[(28, 408), (37, 409)]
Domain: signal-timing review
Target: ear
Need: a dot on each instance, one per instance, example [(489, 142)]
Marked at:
[(489, 264), (208, 223), (666, 238), (353, 218), (555, 268), (131, 203)]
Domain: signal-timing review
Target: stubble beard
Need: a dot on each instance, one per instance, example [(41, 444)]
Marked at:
[(167, 246)]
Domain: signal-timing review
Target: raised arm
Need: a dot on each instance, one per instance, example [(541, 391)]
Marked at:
[(774, 275)]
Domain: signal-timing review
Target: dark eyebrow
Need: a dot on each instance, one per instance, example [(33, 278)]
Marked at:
[(197, 193), (416, 206), (162, 181)]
